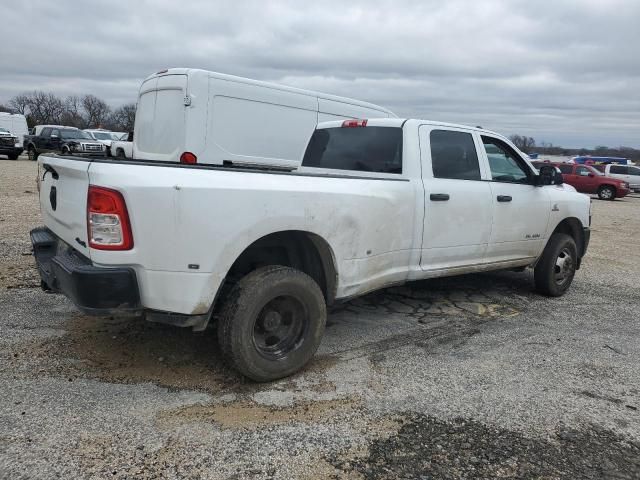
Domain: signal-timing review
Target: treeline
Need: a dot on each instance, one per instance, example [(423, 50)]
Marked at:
[(87, 111), (528, 145)]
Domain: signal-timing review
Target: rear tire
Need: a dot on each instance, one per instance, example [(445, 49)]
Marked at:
[(33, 155), (556, 268), (607, 193), (272, 322)]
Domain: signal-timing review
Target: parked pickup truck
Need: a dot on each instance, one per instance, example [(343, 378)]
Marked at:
[(62, 140), (627, 173), (123, 148), (263, 252), (586, 179), (9, 145)]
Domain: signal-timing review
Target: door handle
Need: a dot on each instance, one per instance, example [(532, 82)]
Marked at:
[(504, 198), (439, 197)]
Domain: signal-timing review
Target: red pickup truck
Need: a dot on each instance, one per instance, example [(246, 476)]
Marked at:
[(587, 179)]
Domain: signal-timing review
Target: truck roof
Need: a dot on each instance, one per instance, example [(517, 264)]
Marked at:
[(224, 76), (400, 122)]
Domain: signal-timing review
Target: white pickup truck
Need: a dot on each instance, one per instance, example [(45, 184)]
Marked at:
[(626, 173), (264, 251), (122, 148)]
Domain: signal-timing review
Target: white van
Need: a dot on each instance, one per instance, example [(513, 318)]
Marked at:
[(16, 124), (196, 116)]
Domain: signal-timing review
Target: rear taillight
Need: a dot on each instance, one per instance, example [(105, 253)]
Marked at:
[(354, 123), (188, 158), (108, 223)]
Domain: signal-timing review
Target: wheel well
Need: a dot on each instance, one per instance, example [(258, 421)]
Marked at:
[(607, 185), (572, 227), (303, 251)]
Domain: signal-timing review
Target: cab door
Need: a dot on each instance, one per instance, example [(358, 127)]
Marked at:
[(587, 179), (520, 209), (54, 141), (458, 207)]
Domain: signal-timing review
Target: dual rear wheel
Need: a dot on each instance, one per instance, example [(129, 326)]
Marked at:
[(272, 323)]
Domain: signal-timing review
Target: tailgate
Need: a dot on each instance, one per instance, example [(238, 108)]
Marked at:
[(63, 198)]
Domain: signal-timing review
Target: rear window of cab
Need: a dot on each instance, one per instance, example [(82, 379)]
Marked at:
[(360, 149)]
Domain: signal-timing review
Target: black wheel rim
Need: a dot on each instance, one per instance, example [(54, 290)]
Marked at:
[(280, 327)]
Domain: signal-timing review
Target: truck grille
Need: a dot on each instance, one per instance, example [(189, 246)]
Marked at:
[(7, 141), (92, 147)]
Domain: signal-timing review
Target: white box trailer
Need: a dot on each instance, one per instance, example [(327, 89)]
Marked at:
[(199, 116)]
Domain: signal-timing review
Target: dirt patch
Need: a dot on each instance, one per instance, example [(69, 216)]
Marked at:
[(131, 350), (249, 415), (426, 447)]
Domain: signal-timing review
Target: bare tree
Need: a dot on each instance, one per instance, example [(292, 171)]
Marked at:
[(45, 108), (72, 115), (524, 143), (124, 117), (96, 111), (20, 103), (4, 108)]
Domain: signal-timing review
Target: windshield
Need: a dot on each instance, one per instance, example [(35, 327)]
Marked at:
[(102, 135), (115, 136), (74, 134), (4, 130), (594, 170)]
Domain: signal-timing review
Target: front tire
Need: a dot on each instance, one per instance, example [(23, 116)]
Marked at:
[(557, 266), (272, 323), (13, 156), (606, 193), (120, 154)]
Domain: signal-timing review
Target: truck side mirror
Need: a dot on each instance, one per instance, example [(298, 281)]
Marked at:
[(547, 175)]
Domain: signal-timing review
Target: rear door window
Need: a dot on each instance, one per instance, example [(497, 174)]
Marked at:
[(618, 169), (566, 169), (362, 149), (453, 155)]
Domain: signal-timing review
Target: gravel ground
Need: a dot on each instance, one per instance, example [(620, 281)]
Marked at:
[(468, 377)]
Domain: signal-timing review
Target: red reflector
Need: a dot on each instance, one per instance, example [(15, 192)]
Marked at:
[(189, 158), (108, 225), (354, 123)]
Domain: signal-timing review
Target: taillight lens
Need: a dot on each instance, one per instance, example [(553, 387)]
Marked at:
[(354, 123), (188, 158), (107, 220)]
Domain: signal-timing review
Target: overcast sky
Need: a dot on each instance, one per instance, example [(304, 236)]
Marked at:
[(562, 71)]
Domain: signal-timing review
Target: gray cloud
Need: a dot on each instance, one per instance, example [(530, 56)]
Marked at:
[(563, 71)]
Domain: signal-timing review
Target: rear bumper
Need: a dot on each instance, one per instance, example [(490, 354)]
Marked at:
[(94, 290)]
